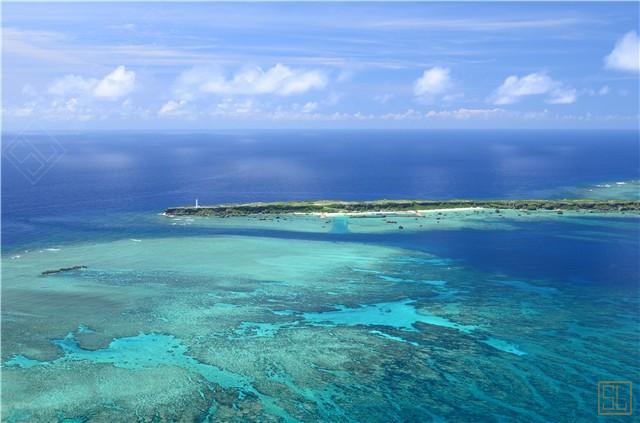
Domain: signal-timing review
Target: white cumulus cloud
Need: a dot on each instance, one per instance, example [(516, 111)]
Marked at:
[(464, 114), (172, 107), (562, 96), (279, 80), (514, 88), (433, 82), (625, 56), (116, 84), (72, 85), (309, 107)]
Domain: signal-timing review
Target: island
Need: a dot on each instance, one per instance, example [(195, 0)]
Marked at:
[(386, 207)]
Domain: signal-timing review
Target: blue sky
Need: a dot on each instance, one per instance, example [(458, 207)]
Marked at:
[(331, 65)]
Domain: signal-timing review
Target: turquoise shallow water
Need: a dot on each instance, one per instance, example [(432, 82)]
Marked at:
[(310, 319), (399, 315)]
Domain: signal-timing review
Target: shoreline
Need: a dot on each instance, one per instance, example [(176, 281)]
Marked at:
[(381, 208), (398, 213)]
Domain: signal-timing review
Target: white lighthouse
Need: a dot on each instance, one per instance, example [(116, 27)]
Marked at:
[(197, 203)]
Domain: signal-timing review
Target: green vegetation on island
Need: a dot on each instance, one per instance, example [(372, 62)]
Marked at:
[(395, 206)]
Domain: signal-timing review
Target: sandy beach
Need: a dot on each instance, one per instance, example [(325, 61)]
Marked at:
[(392, 213)]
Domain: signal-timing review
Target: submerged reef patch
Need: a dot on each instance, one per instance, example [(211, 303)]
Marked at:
[(400, 314)]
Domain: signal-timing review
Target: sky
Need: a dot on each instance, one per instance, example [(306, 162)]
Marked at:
[(175, 66)]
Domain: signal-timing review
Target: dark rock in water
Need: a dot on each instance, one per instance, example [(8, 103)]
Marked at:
[(400, 227), (560, 212), (62, 269)]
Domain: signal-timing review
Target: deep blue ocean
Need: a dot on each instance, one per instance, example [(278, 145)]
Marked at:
[(119, 172)]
